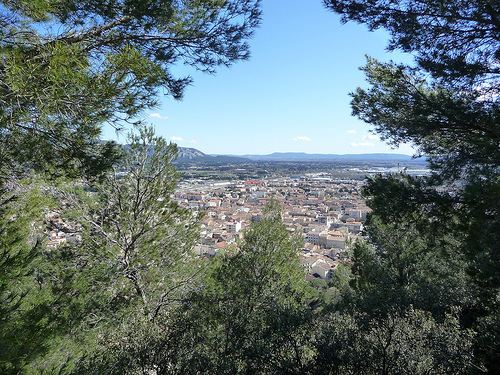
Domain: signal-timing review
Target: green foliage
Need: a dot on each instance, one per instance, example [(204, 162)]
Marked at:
[(319, 283), (404, 343), (456, 129), (138, 346), (402, 266), (327, 296), (131, 215), (455, 41), (67, 67), (434, 242), (418, 296), (245, 315), (24, 326), (133, 263), (251, 317)]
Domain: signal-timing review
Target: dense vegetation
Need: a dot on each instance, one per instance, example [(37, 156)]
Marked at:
[(419, 296)]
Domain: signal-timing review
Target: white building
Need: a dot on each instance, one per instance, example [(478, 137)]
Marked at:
[(233, 227)]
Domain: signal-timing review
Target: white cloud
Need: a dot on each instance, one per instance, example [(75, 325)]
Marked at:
[(193, 141), (362, 144), (176, 139), (372, 137), (157, 115), (302, 138), (351, 132)]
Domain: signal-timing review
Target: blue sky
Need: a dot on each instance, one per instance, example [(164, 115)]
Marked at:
[(291, 96)]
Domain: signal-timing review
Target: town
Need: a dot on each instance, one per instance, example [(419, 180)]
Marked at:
[(328, 214)]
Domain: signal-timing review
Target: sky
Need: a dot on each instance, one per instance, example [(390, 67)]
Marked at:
[(292, 95)]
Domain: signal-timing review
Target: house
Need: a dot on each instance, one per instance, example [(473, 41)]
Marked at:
[(233, 227), (313, 237), (324, 267)]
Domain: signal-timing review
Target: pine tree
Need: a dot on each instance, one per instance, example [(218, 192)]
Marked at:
[(69, 67), (447, 106), (133, 265)]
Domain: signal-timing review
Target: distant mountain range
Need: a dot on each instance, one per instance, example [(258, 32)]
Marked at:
[(302, 156), (194, 155)]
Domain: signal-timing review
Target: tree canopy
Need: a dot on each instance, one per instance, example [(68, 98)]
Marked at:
[(68, 67), (447, 105), (455, 41), (451, 95)]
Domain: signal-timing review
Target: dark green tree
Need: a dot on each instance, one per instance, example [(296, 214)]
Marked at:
[(409, 342), (447, 106), (252, 316), (409, 291), (411, 257), (133, 264), (68, 67), (456, 41), (130, 214), (24, 329)]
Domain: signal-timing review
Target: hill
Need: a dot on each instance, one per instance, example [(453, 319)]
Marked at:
[(191, 155)]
